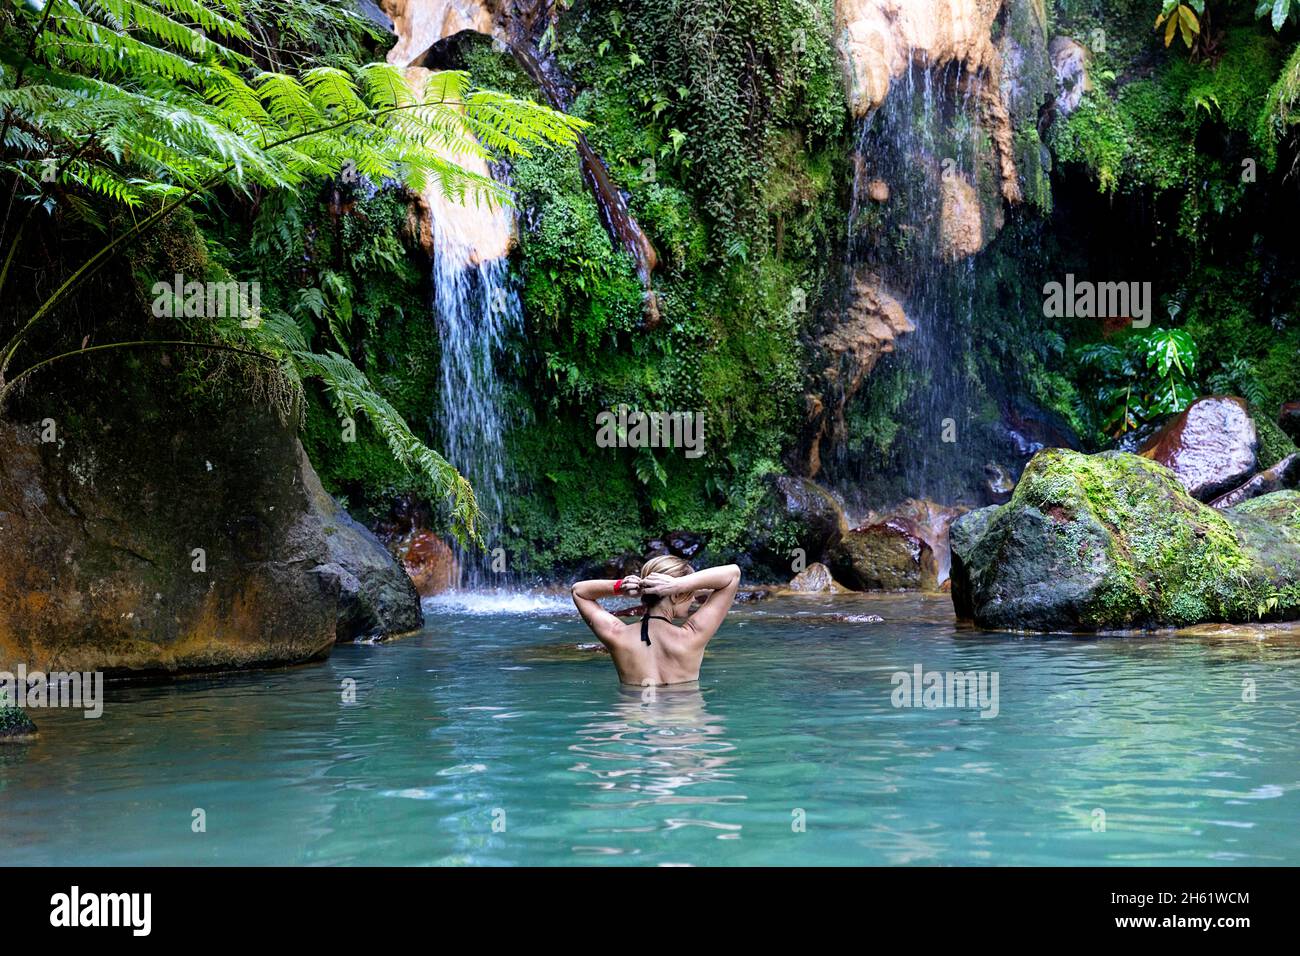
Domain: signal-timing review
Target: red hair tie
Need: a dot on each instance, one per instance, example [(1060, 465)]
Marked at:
[(618, 584)]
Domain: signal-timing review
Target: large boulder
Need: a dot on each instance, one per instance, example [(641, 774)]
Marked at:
[(907, 548), (1211, 447), (885, 555), (377, 597), (152, 536), (1114, 541)]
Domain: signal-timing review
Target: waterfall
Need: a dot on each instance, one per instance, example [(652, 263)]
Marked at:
[(477, 310), (920, 151)]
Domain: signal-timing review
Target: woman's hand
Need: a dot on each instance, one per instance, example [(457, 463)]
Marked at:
[(660, 584), (632, 586)]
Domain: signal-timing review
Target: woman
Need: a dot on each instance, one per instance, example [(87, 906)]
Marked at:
[(654, 650)]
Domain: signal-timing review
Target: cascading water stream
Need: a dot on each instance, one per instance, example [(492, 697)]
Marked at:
[(923, 144), (477, 310)]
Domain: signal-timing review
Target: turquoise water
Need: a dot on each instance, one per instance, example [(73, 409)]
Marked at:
[(494, 716)]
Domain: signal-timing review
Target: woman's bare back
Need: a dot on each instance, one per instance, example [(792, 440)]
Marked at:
[(673, 655)]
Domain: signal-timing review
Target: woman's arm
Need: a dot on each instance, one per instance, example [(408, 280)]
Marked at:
[(586, 593)]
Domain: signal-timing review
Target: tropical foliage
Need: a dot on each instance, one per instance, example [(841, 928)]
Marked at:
[(116, 113), (1146, 376)]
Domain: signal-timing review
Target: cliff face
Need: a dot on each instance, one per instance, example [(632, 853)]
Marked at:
[(486, 234), (419, 24), (879, 40)]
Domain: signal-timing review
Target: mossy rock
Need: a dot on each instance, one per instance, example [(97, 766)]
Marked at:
[(1113, 541), (15, 725)]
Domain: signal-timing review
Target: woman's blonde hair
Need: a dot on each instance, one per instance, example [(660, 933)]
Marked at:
[(668, 564)]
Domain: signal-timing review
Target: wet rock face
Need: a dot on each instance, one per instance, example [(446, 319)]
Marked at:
[(1114, 541), (796, 514), (961, 230), (1070, 64), (1285, 474), (429, 562), (419, 24), (160, 537), (879, 40), (847, 353), (1211, 447)]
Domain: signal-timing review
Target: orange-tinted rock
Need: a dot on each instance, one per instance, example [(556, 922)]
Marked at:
[(905, 548), (149, 541), (816, 579), (847, 353), (931, 521), (887, 555), (429, 561), (1210, 447)]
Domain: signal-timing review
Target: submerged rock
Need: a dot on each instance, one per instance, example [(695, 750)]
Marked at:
[(1114, 541), (15, 725), (1211, 447)]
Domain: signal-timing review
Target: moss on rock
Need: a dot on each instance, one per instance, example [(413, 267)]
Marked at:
[(1113, 541)]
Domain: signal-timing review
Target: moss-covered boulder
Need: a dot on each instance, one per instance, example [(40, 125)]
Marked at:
[(1114, 541), (15, 725)]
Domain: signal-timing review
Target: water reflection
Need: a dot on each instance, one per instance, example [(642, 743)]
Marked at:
[(657, 746)]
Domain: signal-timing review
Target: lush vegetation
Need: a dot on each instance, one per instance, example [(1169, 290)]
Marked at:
[(118, 114), (265, 141)]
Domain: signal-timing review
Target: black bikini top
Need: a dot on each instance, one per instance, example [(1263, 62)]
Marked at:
[(645, 625)]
